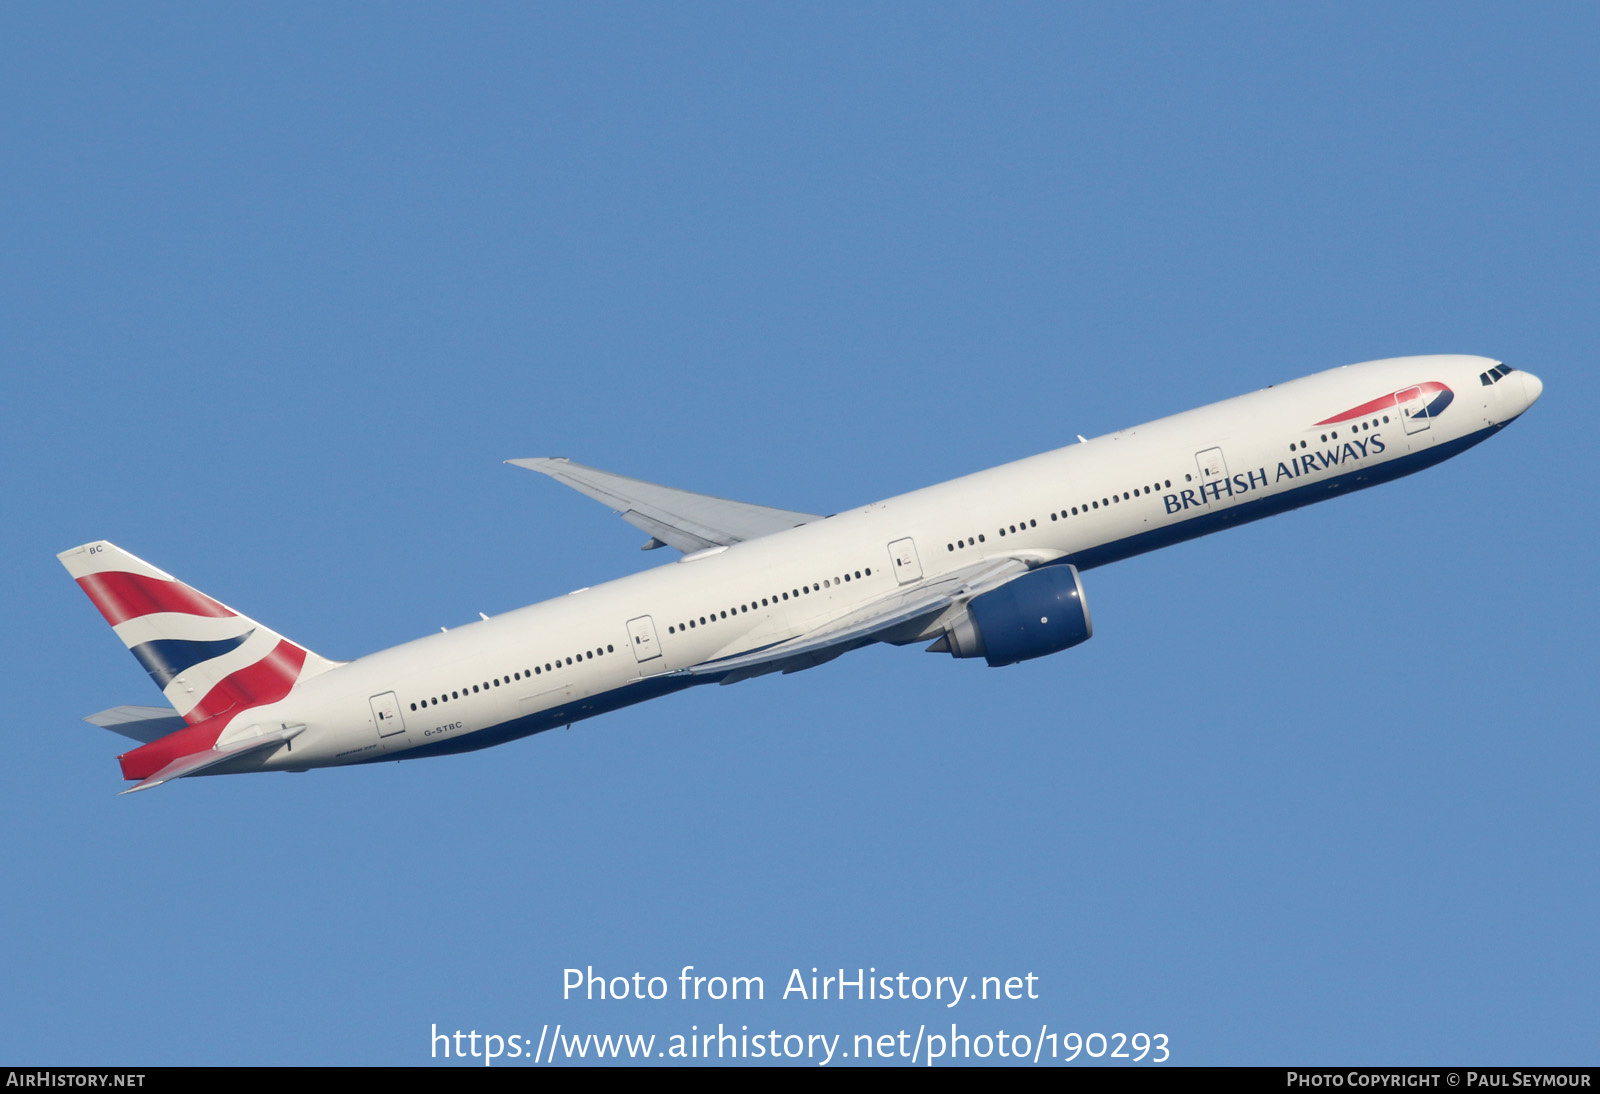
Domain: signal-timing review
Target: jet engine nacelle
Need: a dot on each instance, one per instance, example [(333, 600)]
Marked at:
[(1041, 612)]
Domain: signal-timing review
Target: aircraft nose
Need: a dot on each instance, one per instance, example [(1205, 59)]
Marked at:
[(1532, 387)]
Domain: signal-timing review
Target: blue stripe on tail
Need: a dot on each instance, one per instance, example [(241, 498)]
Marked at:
[(165, 658)]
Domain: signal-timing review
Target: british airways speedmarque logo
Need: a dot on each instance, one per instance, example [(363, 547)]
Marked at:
[(1415, 406), (1430, 400)]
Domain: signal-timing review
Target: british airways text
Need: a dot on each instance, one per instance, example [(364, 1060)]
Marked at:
[(1308, 463)]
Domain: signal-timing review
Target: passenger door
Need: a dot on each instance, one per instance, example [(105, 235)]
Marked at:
[(1213, 470), (907, 567), (642, 636)]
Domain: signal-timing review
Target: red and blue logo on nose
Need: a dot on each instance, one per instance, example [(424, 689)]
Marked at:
[(1427, 400)]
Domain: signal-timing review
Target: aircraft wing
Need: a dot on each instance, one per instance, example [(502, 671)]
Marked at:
[(672, 517), (901, 614)]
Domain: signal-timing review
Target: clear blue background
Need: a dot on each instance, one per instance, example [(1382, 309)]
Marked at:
[(284, 285)]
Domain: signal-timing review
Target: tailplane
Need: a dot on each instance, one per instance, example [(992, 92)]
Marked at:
[(206, 658)]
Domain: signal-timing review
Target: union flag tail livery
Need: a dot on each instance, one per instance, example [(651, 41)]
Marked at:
[(212, 663), (761, 590)]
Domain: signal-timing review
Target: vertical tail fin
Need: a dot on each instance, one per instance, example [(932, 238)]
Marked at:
[(204, 656)]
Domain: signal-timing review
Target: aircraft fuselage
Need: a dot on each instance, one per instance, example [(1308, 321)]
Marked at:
[(1085, 505)]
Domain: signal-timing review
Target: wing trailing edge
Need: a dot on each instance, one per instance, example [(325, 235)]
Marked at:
[(669, 516)]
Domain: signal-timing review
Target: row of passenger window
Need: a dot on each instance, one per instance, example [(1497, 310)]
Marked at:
[(525, 674), (1114, 499), (1355, 427), (706, 620), (1023, 526)]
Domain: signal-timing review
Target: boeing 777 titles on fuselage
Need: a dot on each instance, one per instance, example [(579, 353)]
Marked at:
[(984, 566)]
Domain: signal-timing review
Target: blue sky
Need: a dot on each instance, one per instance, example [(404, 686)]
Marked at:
[(283, 286)]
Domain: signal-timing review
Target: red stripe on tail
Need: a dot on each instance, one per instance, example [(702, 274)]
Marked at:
[(266, 681), (123, 596)]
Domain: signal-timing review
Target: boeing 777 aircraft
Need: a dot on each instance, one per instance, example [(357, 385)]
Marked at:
[(988, 566)]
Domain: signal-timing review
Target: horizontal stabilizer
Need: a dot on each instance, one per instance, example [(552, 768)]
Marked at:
[(876, 622), (671, 517), (196, 762), (143, 724)]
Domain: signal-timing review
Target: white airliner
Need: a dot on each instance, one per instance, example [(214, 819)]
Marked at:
[(982, 566)]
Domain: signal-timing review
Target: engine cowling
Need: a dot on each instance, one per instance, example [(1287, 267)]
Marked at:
[(1041, 612)]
